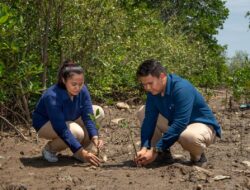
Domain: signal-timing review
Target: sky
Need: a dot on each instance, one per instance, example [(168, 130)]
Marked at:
[(236, 33)]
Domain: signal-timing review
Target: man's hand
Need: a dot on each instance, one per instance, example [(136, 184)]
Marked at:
[(145, 157), (140, 154)]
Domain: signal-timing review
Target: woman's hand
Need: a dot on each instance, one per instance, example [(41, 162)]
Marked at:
[(89, 157), (97, 142)]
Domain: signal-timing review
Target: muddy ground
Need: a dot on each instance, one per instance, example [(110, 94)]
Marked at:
[(228, 167)]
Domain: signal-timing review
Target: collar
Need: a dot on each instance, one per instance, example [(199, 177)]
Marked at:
[(63, 93), (168, 85)]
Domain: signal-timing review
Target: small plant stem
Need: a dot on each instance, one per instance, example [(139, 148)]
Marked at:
[(132, 140), (93, 118), (98, 152), (130, 136)]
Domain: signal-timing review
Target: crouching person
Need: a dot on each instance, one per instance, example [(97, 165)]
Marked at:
[(174, 111), (62, 116)]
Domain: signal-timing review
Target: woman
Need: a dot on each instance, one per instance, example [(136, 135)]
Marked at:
[(62, 116)]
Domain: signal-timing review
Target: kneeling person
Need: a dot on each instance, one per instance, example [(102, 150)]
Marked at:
[(174, 111), (62, 115)]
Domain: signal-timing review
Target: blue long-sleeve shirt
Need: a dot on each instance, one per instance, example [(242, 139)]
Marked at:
[(182, 105), (56, 106)]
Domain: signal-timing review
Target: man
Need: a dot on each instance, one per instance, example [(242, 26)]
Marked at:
[(174, 111)]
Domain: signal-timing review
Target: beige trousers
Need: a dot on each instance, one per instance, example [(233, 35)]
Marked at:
[(77, 128), (195, 138)]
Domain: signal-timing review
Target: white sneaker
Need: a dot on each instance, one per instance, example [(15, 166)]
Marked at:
[(49, 156)]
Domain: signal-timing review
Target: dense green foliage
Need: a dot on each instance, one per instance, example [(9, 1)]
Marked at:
[(109, 39), (240, 76)]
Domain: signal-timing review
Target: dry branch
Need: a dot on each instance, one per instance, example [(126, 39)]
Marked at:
[(19, 132)]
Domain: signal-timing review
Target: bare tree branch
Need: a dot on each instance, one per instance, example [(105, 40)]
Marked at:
[(16, 113), (19, 132)]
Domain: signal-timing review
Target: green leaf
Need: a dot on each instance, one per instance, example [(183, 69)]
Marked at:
[(1, 68), (3, 19), (97, 112)]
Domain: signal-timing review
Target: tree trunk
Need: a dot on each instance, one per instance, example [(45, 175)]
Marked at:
[(24, 103), (59, 27), (45, 56)]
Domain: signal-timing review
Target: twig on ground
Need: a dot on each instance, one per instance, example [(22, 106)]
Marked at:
[(19, 132)]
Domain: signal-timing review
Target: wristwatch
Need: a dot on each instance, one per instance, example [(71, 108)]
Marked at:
[(157, 150)]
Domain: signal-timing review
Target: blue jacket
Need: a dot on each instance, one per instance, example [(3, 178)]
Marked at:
[(56, 106), (182, 105)]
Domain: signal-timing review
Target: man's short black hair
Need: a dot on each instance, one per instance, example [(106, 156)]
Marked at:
[(150, 67)]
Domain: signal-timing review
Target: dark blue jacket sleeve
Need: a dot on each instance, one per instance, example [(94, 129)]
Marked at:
[(183, 99), (87, 110), (149, 122), (56, 117)]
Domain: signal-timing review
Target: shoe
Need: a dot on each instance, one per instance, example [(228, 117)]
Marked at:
[(164, 157), (78, 158), (49, 156), (201, 161)]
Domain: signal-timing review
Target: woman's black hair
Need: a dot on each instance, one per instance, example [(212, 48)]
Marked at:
[(150, 67), (67, 69)]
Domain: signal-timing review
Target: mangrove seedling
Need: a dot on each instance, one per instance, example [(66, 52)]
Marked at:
[(124, 124), (93, 118)]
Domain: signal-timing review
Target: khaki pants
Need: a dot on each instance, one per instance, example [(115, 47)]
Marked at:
[(195, 138), (77, 128)]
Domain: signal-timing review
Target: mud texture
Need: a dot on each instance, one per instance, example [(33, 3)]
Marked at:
[(228, 167)]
